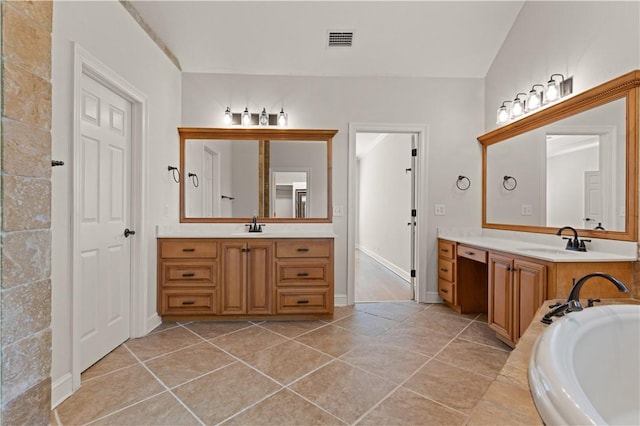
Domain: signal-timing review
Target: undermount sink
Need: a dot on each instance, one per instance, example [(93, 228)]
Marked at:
[(544, 250)]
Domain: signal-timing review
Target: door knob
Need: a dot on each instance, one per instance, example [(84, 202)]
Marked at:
[(128, 232)]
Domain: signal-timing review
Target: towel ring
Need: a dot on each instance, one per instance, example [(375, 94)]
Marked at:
[(509, 183), (174, 170), (461, 185), (194, 179)]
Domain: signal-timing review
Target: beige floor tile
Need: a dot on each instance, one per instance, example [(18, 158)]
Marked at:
[(390, 362), (162, 409), (119, 358), (441, 308), (480, 332), (284, 408), (406, 408), (513, 397), (474, 357), (212, 329), (225, 392), (483, 318), (248, 341), (366, 324), (340, 312), (487, 413), (332, 340), (161, 343), (391, 310), (193, 361), (456, 388), (292, 329), (343, 390), (432, 320), (287, 361), (106, 394), (415, 338), (164, 326)]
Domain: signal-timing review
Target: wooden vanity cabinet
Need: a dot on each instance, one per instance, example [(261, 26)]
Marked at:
[(246, 277), (187, 276), (447, 272), (517, 288)]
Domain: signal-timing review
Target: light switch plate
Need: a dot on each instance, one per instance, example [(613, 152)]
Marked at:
[(527, 210), (440, 210), (338, 211)]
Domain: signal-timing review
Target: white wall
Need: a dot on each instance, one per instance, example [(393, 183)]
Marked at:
[(593, 41), (384, 199), (452, 109), (109, 33)]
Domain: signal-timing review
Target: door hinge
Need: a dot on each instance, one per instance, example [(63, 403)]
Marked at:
[(413, 273), (414, 213), (414, 152)]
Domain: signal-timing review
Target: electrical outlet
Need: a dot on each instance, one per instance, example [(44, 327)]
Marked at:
[(440, 210), (527, 210), (338, 211)]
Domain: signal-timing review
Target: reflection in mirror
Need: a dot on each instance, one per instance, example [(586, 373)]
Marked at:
[(569, 173), (278, 175)]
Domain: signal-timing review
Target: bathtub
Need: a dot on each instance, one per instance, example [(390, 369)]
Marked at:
[(585, 368)]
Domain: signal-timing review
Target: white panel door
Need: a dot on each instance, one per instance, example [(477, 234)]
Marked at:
[(103, 213), (593, 199)]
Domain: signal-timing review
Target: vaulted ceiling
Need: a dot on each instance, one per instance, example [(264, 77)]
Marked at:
[(390, 38)]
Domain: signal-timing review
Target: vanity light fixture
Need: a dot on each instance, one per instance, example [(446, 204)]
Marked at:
[(264, 118), (246, 117), (503, 113), (228, 117), (517, 109), (553, 88), (535, 98)]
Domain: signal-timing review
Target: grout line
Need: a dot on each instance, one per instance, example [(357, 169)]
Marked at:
[(57, 417), (119, 410), (250, 406), (316, 405)]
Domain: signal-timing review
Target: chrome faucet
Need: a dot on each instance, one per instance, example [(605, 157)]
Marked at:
[(576, 244), (254, 226), (573, 301)]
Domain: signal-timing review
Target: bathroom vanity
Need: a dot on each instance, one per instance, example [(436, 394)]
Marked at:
[(510, 279), (244, 277)]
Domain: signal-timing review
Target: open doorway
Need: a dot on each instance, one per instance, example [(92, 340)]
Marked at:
[(384, 257)]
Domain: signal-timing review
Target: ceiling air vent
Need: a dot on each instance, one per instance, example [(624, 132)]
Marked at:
[(340, 38)]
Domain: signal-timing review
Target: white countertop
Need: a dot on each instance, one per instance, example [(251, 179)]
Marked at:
[(548, 247), (239, 230)]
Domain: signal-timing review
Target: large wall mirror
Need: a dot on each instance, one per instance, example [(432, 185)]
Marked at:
[(278, 175), (571, 164)]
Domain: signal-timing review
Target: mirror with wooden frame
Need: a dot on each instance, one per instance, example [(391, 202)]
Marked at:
[(573, 163), (234, 174)]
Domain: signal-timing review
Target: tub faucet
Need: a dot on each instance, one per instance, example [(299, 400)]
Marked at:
[(573, 301), (575, 244)]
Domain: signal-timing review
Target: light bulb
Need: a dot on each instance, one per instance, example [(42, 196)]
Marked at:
[(264, 117), (282, 118), (533, 102), (246, 117), (552, 91), (228, 117), (502, 115), (517, 109)]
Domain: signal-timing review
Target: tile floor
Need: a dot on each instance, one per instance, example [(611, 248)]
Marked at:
[(374, 364)]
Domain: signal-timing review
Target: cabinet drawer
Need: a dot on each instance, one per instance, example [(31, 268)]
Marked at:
[(297, 273), (304, 248), (188, 273), (188, 249), (189, 302), (446, 249), (446, 290), (445, 269), (303, 300), (472, 253)]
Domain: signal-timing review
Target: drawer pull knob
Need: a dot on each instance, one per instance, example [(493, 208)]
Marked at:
[(302, 302), (303, 249), (188, 302), (188, 274), (303, 274), (188, 249), (444, 250), (444, 290), (469, 253), (444, 269)]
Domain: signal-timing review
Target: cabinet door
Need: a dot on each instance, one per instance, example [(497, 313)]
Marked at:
[(500, 316), (233, 282), (530, 288), (260, 278)]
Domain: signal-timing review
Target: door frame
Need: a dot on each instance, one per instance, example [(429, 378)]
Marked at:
[(85, 63), (420, 130)]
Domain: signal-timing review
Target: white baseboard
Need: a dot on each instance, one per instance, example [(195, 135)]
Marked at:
[(389, 265), (153, 321), (432, 297), (61, 389), (340, 300)]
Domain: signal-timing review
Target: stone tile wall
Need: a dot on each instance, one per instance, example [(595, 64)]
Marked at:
[(25, 260)]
